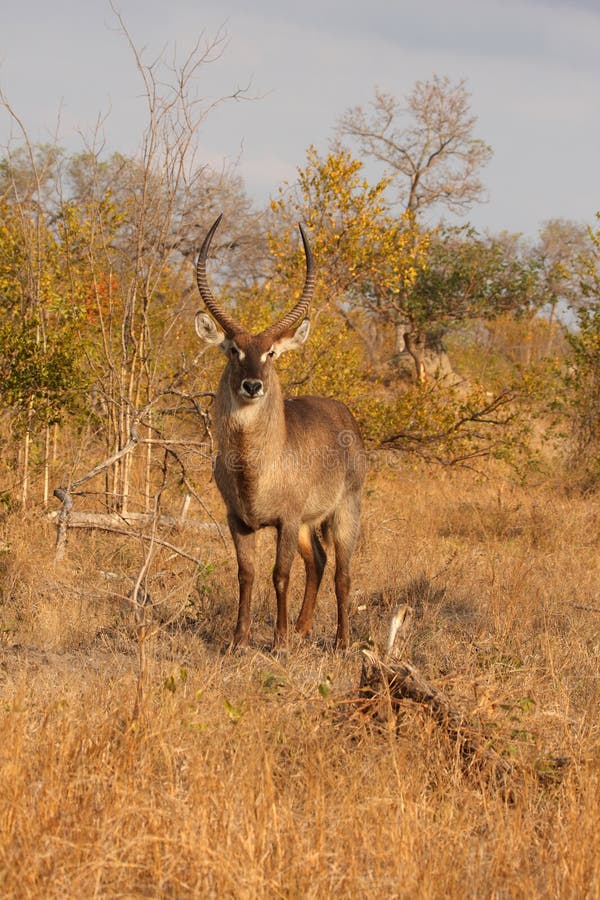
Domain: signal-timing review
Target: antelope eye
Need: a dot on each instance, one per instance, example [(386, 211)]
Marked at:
[(234, 351), (271, 354)]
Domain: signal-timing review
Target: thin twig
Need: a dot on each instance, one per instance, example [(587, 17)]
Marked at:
[(144, 537)]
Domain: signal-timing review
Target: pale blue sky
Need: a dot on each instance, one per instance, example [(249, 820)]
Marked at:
[(532, 67)]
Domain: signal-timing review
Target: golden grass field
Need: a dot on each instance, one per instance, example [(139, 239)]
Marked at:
[(249, 775)]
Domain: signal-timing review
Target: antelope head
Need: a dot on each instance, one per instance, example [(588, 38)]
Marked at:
[(250, 372)]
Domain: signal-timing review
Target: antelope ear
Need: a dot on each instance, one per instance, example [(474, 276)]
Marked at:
[(292, 341), (207, 330)]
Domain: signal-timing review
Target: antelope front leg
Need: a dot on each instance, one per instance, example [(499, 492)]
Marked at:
[(287, 542), (244, 540)]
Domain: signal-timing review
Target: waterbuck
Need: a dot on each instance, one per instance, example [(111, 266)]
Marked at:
[(297, 465)]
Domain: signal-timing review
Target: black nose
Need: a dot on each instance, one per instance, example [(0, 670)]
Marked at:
[(252, 386)]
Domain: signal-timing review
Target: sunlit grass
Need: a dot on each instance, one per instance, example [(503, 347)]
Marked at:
[(250, 775)]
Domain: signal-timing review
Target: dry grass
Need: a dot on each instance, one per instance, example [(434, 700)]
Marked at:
[(253, 776)]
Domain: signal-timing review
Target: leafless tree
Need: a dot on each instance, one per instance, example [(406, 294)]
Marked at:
[(561, 245), (427, 145)]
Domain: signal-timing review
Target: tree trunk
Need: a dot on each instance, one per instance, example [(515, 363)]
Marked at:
[(54, 443), (148, 475), (46, 465), (415, 344), (400, 342), (25, 479), (551, 329), (26, 451)]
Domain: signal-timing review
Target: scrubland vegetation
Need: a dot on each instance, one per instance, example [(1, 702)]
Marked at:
[(138, 756)]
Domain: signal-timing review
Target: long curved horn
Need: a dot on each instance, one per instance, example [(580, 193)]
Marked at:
[(300, 310), (226, 322)]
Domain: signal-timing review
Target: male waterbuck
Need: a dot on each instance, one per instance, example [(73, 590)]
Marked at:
[(297, 465)]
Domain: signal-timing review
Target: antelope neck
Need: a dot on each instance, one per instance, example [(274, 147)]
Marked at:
[(251, 432)]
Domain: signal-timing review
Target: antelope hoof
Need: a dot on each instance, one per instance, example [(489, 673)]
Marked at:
[(239, 644), (342, 642), (280, 644)]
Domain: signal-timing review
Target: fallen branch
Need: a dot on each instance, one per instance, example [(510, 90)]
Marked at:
[(400, 681), (114, 520), (397, 681)]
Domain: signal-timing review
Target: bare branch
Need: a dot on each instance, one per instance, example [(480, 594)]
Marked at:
[(428, 146), (481, 416)]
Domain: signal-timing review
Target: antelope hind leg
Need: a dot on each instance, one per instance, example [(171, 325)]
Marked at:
[(344, 528), (315, 558)]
